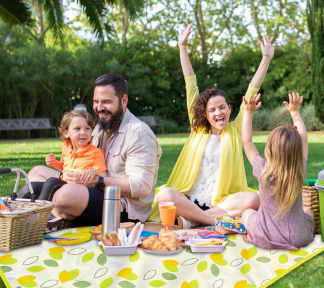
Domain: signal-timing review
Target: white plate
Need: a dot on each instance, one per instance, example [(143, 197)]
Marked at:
[(163, 252)]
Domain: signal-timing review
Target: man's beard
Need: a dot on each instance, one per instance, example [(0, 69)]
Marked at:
[(115, 118)]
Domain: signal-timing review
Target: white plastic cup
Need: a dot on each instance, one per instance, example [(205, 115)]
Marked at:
[(161, 204)]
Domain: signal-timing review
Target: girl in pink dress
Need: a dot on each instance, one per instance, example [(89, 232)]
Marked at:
[(281, 221)]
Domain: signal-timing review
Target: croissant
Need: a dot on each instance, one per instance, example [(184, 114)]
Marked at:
[(153, 243), (170, 240)]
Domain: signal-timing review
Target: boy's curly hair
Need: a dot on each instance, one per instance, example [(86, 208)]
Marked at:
[(199, 108), (67, 118)]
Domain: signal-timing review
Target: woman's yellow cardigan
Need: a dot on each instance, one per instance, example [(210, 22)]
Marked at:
[(231, 176)]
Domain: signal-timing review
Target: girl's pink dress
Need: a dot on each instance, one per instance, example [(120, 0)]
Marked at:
[(294, 230)]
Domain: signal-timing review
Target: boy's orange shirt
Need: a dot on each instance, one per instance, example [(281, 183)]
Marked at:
[(90, 157)]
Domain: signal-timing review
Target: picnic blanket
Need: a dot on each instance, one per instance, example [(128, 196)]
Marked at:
[(85, 265)]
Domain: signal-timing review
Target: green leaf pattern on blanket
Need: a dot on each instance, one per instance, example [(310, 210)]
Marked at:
[(127, 274), (214, 270), (35, 269), (56, 252), (82, 284), (171, 265), (27, 281), (88, 266), (8, 260), (102, 259), (126, 284), (6, 269), (169, 276), (135, 257), (263, 259), (283, 259), (50, 263), (66, 276), (107, 283), (88, 257), (202, 266), (245, 268)]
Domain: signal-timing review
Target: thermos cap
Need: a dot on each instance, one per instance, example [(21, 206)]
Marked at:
[(112, 193)]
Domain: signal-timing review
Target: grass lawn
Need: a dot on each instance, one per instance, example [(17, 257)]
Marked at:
[(26, 154)]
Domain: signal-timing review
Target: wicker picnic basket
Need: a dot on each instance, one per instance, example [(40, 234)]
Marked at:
[(25, 224), (311, 200)]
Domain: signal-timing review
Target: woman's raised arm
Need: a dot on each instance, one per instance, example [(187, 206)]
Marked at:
[(184, 57), (267, 54)]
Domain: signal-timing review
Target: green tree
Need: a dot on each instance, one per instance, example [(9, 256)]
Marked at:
[(49, 14), (315, 18)]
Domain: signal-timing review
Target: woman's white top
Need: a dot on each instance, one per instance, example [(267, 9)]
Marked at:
[(205, 182)]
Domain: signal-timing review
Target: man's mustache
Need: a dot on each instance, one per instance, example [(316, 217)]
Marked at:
[(105, 112)]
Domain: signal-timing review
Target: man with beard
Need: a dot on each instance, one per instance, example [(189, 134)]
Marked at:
[(132, 155)]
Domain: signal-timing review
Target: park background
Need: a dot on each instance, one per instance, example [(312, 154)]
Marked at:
[(51, 52)]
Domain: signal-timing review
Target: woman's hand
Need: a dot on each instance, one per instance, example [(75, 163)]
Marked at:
[(183, 36), (295, 102), (266, 48), (252, 104)]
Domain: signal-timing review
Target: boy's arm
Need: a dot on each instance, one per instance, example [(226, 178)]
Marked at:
[(293, 107), (250, 105), (52, 162), (184, 57)]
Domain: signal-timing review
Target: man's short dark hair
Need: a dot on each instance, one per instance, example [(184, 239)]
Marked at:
[(118, 82)]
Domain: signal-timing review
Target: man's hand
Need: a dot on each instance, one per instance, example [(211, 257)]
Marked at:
[(266, 48), (252, 104), (88, 176), (50, 159), (183, 36), (295, 102)]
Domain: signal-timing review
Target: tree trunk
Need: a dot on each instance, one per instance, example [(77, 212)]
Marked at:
[(39, 17), (123, 18), (201, 33), (255, 19), (315, 19)]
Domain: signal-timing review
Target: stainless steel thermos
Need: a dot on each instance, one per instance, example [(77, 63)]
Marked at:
[(111, 209)]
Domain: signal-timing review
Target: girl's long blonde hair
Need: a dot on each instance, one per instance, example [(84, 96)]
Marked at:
[(285, 167)]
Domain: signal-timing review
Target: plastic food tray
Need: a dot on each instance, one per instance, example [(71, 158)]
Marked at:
[(118, 250), (205, 248)]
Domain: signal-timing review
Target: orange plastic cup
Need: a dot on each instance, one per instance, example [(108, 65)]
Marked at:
[(168, 215), (4, 207)]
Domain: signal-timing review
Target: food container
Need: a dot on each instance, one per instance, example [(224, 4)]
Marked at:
[(205, 248), (118, 250), (127, 225)]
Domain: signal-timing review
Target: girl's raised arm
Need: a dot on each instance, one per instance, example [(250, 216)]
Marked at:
[(184, 57), (250, 106), (293, 107)]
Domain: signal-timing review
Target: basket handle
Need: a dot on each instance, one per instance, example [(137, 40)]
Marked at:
[(5, 171), (18, 171)]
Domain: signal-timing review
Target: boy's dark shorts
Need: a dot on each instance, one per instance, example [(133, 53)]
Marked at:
[(92, 214)]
